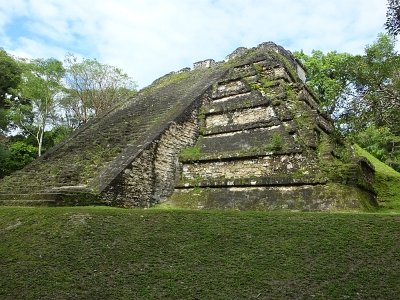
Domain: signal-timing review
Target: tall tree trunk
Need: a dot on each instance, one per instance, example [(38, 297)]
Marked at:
[(39, 140)]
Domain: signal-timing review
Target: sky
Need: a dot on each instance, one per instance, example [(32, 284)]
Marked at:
[(149, 38)]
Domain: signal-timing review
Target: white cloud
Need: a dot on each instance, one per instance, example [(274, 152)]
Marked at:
[(29, 48), (148, 38)]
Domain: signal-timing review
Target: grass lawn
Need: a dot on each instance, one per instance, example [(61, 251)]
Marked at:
[(109, 253)]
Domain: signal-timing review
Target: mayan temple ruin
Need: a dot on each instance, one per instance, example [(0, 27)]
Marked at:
[(245, 133)]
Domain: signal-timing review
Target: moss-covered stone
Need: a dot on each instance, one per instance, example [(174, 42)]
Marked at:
[(328, 197)]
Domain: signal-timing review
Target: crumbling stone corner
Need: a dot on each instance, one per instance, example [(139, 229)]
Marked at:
[(151, 177)]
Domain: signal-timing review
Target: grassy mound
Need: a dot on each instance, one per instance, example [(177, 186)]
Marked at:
[(387, 182), (109, 253)]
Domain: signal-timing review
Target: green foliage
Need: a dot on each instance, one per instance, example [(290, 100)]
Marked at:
[(56, 135), (361, 93), (44, 112), (326, 75), (106, 253), (41, 85), (357, 90), (15, 155), (21, 154), (190, 153), (392, 24), (276, 143), (93, 89), (4, 119), (266, 83), (19, 150), (42, 81), (4, 154), (375, 78), (10, 75), (380, 142)]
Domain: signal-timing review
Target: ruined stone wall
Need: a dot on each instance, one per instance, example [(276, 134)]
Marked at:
[(151, 177), (177, 137), (251, 168), (304, 197), (133, 187), (265, 144)]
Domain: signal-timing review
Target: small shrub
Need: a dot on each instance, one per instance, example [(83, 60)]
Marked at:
[(190, 153), (276, 142)]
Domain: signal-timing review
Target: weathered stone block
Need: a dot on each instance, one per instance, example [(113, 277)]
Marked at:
[(329, 197), (262, 138), (151, 177), (241, 119), (230, 89), (235, 102), (204, 64), (290, 165)]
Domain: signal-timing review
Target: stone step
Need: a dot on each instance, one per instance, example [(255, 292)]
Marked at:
[(302, 197), (266, 139), (273, 122), (51, 199), (26, 202), (261, 116), (230, 88), (287, 165), (246, 100), (277, 180), (232, 155)]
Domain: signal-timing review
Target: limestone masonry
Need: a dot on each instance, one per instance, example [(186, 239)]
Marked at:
[(245, 133)]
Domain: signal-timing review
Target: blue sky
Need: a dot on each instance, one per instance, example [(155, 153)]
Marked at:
[(149, 38)]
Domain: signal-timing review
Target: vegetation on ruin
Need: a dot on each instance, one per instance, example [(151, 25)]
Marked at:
[(167, 80), (97, 252), (276, 143), (386, 184), (190, 153)]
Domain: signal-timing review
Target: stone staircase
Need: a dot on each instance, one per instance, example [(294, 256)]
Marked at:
[(85, 164)]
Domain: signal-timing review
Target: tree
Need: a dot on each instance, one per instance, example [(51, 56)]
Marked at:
[(327, 75), (392, 24), (41, 85), (56, 135), (93, 88), (375, 78), (359, 90), (362, 94), (43, 104), (10, 77), (381, 142), (16, 153)]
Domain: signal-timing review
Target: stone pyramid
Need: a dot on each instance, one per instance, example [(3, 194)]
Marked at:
[(245, 133)]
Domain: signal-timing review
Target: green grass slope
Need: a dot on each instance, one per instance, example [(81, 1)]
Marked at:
[(387, 182), (105, 253)]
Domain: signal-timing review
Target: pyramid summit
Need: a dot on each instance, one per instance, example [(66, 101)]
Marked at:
[(245, 133)]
